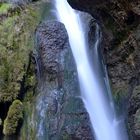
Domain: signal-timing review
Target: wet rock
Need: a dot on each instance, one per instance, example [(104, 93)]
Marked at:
[(59, 112), (52, 39), (134, 113), (135, 100), (137, 123)]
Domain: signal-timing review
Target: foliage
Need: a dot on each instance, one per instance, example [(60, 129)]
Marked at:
[(14, 117)]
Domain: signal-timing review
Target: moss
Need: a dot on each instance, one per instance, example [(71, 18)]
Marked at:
[(11, 61), (17, 71), (30, 83), (14, 117), (16, 43), (5, 7)]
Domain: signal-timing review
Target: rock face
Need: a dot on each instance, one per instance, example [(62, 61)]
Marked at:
[(51, 40), (59, 113), (134, 113), (92, 5), (119, 21)]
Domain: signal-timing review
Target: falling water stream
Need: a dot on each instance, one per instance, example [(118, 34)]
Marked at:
[(94, 85)]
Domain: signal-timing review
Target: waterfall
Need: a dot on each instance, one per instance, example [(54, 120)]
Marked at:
[(95, 90)]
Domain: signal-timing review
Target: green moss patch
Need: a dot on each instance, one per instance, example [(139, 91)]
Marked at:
[(5, 7), (14, 118)]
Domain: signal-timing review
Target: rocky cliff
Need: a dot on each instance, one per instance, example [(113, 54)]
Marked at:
[(119, 20), (55, 104)]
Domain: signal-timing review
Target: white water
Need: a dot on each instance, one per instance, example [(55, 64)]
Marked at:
[(95, 93)]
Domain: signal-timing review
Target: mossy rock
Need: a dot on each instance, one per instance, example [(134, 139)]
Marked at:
[(14, 118), (16, 43)]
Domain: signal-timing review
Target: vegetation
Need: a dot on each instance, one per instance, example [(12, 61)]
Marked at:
[(14, 118), (4, 7), (16, 43), (17, 71)]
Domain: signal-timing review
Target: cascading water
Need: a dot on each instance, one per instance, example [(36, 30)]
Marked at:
[(94, 87)]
